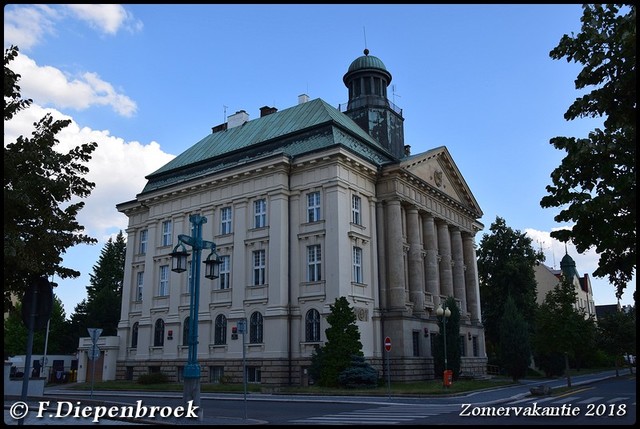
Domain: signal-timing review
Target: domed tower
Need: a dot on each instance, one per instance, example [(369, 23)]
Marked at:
[(568, 266), (367, 80)]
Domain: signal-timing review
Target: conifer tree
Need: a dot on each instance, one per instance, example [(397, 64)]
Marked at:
[(343, 342)]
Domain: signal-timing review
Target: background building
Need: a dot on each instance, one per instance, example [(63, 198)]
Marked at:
[(305, 205), (548, 278)]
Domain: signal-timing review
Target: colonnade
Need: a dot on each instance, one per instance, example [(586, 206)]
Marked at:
[(437, 261)]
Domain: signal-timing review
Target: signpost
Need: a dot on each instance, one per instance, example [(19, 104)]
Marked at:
[(387, 347), (242, 328), (94, 352)]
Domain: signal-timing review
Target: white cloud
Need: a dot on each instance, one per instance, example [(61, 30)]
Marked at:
[(107, 18), (29, 25), (48, 85), (118, 168), (26, 26)]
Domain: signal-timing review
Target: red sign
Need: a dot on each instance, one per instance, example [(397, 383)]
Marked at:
[(387, 344)]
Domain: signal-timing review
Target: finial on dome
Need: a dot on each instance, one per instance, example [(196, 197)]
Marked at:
[(366, 51)]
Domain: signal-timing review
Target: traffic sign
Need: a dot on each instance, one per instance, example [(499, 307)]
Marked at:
[(94, 352), (94, 333), (387, 344), (242, 326)]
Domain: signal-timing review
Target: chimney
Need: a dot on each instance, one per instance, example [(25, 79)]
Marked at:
[(266, 110), (218, 128), (237, 119), (303, 98), (407, 150)]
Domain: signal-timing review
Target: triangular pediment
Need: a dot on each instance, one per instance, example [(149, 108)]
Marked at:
[(437, 168)]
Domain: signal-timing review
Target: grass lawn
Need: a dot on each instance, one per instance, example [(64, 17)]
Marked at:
[(430, 387)]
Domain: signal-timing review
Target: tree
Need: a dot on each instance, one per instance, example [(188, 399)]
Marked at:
[(515, 349), (595, 184), (101, 308), (454, 359), (506, 263), (617, 334), (343, 342), (15, 333), (559, 327), (39, 183)]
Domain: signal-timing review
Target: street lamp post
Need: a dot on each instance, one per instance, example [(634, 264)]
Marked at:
[(212, 270), (444, 313)]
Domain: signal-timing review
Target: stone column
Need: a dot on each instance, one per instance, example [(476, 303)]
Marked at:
[(444, 250), (382, 256), (471, 277), (395, 255), (432, 276), (416, 273), (459, 289)]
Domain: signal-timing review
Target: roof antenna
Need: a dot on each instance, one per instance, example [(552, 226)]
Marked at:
[(225, 113), (364, 30)]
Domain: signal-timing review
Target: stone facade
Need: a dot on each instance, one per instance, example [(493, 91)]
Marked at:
[(396, 237)]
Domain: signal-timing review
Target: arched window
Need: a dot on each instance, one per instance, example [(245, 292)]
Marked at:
[(158, 333), (134, 335), (185, 331), (220, 333), (255, 328), (312, 326)]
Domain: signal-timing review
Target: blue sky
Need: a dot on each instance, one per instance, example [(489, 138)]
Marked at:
[(148, 81)]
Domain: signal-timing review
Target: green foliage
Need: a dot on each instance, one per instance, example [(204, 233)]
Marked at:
[(101, 308), (454, 358), (153, 378), (343, 341), (595, 184), (359, 375), (617, 333), (60, 342), (560, 328), (506, 263), (515, 350), (39, 184)]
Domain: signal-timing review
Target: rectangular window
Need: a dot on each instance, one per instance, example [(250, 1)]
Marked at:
[(143, 242), (254, 374), (313, 207), (139, 285), (225, 220), (314, 263), (463, 345), (163, 287), (357, 265), (260, 213), (225, 272), (416, 343), (259, 267), (215, 374), (355, 210), (474, 343), (166, 233)]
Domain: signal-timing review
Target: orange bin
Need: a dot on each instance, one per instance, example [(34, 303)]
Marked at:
[(447, 378)]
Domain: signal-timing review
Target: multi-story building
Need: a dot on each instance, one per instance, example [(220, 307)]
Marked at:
[(304, 205), (548, 278)]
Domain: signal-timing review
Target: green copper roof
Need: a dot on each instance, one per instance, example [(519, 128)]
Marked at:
[(304, 128), (367, 62)]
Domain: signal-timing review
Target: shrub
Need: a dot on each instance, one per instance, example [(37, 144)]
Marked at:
[(153, 378), (359, 374)]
